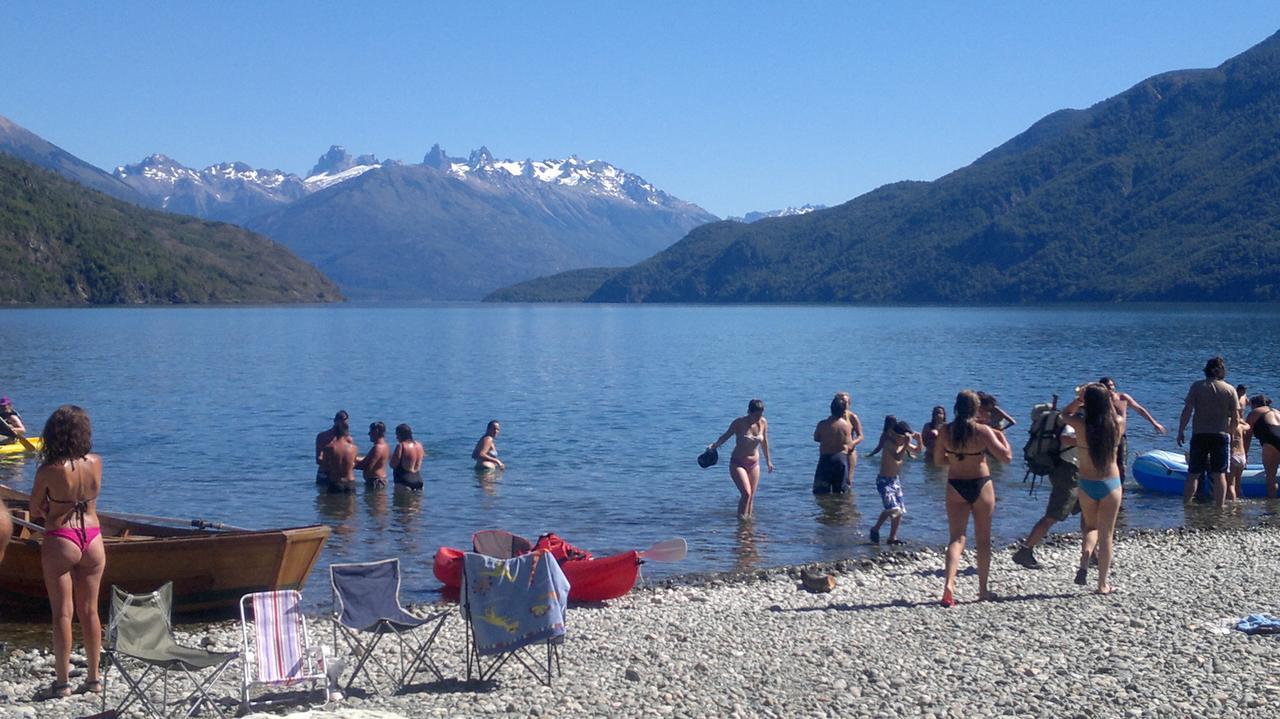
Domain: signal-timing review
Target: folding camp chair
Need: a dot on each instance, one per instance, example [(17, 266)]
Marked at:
[(277, 650), (366, 608), (500, 543), (509, 606), (140, 644)]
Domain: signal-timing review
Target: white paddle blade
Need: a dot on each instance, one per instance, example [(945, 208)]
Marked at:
[(668, 550)]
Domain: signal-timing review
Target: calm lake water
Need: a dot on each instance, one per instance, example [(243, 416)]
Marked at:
[(211, 413)]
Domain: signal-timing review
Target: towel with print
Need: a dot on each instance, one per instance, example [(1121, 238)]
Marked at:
[(514, 602)]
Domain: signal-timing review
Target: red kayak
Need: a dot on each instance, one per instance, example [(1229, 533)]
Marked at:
[(590, 579)]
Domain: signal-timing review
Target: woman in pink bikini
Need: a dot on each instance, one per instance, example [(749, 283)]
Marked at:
[(752, 433), (65, 493)]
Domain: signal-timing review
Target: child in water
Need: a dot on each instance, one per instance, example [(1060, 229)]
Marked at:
[(896, 444)]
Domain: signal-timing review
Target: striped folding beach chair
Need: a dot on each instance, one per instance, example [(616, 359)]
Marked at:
[(277, 650)]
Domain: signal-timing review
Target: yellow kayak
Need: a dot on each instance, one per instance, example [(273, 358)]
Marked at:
[(15, 447)]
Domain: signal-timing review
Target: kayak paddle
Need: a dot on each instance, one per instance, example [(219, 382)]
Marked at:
[(668, 550)]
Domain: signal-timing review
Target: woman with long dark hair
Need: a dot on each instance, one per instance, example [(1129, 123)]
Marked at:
[(1264, 425), (72, 557), (963, 446), (1099, 489), (750, 433), (929, 432)]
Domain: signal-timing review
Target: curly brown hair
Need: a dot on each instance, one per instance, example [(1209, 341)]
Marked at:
[(67, 434)]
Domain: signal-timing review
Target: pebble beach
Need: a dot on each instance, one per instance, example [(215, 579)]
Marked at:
[(878, 644)]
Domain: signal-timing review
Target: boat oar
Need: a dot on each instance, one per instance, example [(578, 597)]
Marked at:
[(26, 443), (197, 523), (24, 523), (668, 550)]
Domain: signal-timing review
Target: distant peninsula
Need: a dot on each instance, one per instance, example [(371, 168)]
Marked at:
[(64, 244), (1169, 191), (570, 286)]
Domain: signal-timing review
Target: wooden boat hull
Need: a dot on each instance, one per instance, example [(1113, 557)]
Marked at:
[(590, 580), (210, 570)]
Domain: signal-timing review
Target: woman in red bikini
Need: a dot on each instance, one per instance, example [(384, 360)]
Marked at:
[(72, 556), (751, 432), (962, 446)]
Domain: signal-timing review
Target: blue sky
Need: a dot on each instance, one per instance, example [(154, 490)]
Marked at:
[(736, 106)]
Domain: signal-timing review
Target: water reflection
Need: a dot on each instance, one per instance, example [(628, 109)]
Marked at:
[(338, 508), (407, 504), (746, 551), (487, 479), (375, 501), (13, 471), (836, 510)]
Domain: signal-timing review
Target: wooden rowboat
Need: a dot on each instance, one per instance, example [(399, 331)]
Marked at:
[(210, 568)]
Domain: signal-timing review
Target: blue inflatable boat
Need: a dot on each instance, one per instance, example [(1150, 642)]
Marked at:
[(1163, 471)]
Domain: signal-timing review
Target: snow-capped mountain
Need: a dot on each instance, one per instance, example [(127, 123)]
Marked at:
[(231, 191), (336, 166), (459, 228), (451, 227), (593, 177), (236, 192), (787, 212)]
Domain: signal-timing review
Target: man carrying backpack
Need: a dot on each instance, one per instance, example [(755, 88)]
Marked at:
[(1052, 448)]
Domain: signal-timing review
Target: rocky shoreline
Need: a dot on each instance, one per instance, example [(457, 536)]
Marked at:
[(756, 644)]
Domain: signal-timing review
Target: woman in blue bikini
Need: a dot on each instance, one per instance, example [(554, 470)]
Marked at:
[(1098, 433)]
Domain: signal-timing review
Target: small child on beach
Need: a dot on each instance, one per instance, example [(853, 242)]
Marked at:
[(896, 444)]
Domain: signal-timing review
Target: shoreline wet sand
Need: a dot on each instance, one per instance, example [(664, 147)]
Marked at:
[(755, 644)]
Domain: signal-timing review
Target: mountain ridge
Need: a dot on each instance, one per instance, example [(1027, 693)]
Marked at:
[(1084, 205), (62, 243)]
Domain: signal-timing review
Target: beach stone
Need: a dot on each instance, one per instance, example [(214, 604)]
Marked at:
[(632, 675)]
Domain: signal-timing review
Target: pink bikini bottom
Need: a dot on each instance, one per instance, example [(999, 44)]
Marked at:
[(82, 538)]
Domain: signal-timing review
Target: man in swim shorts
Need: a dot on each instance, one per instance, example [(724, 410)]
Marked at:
[(1214, 411), (338, 459), (373, 466), (834, 436), (901, 443), (1062, 499), (1123, 402), (340, 423)]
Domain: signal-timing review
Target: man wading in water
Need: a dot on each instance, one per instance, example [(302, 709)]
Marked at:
[(1216, 411)]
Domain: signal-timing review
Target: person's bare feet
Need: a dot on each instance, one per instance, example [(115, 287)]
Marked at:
[(1105, 589), (988, 596)]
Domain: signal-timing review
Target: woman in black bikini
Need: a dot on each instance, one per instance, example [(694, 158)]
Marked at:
[(1264, 420), (962, 446), (72, 557)]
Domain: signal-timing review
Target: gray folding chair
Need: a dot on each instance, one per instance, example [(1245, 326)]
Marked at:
[(500, 543), (139, 643), (366, 608), (510, 606)]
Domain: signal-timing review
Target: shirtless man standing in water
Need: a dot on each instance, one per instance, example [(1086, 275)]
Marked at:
[(1123, 402), (834, 436), (486, 452), (340, 421), (373, 466), (338, 459)]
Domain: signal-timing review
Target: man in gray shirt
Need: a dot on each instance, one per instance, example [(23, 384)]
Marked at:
[(1216, 411)]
